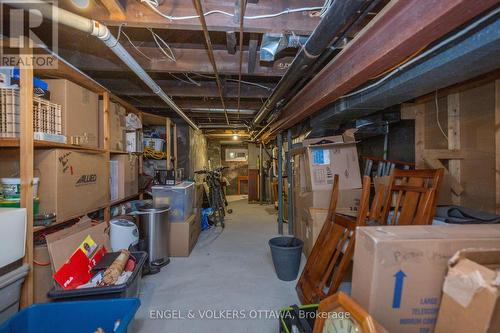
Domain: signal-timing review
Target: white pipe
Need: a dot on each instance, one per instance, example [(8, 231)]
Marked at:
[(102, 32)]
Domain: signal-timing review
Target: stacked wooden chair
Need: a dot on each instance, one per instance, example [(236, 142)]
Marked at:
[(410, 194)]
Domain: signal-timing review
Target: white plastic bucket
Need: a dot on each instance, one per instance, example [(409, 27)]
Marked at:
[(10, 188), (154, 143)]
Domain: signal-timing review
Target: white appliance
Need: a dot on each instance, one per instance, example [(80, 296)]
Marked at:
[(123, 234), (12, 234)]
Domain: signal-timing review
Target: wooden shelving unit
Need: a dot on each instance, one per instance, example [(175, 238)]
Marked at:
[(170, 135), (27, 146)]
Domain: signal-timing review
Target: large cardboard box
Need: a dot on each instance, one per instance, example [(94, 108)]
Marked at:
[(62, 244), (399, 270), (72, 182), (117, 126), (79, 111), (184, 235), (124, 177), (328, 156), (471, 293)]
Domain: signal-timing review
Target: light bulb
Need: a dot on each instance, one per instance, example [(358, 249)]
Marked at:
[(235, 137)]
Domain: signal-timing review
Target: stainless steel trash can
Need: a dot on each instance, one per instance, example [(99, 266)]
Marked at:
[(154, 230)]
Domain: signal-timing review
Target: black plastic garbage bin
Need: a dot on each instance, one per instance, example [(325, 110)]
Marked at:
[(286, 253)]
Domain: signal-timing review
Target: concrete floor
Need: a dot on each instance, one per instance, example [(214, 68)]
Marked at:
[(230, 271)]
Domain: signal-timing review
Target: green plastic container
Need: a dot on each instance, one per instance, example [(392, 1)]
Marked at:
[(17, 204)]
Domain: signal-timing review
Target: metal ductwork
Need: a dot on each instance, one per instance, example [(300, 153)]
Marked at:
[(102, 32), (336, 19), (273, 44)]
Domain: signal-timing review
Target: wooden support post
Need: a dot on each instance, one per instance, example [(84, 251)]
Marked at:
[(106, 132), (168, 142), (454, 165), (175, 145), (26, 153), (417, 113), (279, 140), (141, 158), (252, 53), (497, 143)]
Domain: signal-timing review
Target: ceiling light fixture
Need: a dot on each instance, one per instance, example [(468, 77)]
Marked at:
[(82, 4)]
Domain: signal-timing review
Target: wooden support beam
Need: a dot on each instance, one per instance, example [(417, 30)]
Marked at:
[(395, 35), (181, 89), (26, 152), (455, 185), (138, 14), (188, 61), (454, 165), (175, 145), (252, 53), (231, 42), (106, 142), (115, 8), (445, 154), (497, 143), (419, 111), (168, 142)]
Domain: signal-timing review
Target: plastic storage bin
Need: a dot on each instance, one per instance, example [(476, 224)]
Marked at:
[(128, 289), (113, 315), (12, 235), (180, 198), (10, 291)]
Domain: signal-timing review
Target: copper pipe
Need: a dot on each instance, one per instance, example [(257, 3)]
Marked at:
[(243, 4), (210, 50)]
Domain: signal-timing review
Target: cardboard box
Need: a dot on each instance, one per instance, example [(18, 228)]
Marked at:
[(72, 182), (311, 209), (62, 244), (184, 235), (328, 156), (124, 176), (80, 117), (117, 126), (42, 274), (471, 293), (399, 270)]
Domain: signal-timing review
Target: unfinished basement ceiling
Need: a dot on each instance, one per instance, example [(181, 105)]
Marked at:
[(174, 53)]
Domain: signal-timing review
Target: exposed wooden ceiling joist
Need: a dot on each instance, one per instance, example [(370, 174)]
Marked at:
[(179, 88), (187, 60), (187, 103), (138, 14)]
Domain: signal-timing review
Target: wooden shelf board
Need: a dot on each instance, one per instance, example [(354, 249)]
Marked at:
[(14, 143), (60, 222)]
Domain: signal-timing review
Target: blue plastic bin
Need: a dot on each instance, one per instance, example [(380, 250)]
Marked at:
[(74, 317)]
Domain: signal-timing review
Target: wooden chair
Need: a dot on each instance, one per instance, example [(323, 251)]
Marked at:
[(332, 252), (413, 195)]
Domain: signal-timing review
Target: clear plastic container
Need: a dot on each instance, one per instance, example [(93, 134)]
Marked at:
[(180, 198)]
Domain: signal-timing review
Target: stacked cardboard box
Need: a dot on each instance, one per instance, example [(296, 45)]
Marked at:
[(79, 111), (314, 173), (399, 270), (184, 235), (71, 182)]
